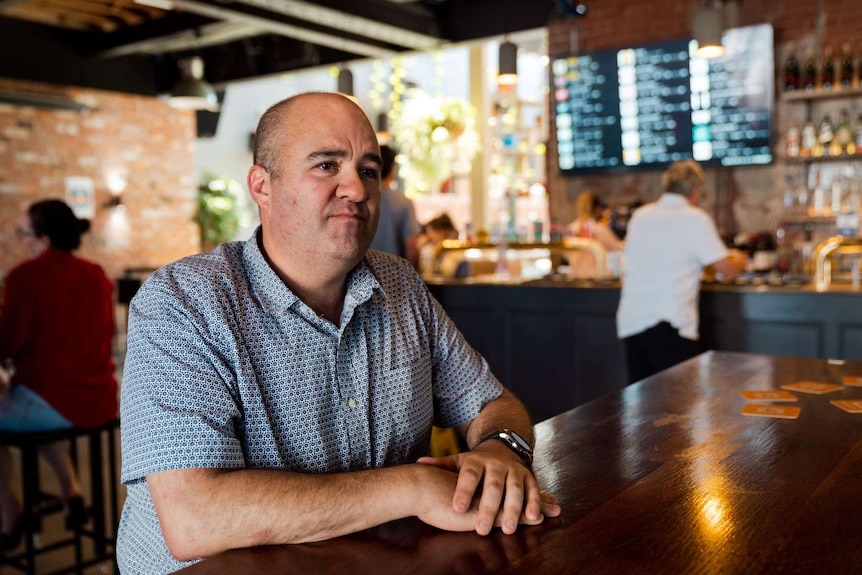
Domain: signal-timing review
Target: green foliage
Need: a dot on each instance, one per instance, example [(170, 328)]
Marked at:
[(218, 211), (431, 133)]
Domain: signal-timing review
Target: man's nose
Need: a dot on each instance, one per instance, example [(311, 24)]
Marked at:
[(352, 187)]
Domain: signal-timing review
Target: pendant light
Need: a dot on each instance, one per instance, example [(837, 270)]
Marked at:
[(507, 70), (384, 138), (707, 27), (345, 82), (192, 92)]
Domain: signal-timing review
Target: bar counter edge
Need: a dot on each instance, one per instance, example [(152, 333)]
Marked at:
[(554, 343)]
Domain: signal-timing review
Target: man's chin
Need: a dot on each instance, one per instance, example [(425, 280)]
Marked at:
[(351, 251)]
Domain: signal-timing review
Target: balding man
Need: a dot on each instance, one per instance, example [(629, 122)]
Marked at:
[(283, 389)]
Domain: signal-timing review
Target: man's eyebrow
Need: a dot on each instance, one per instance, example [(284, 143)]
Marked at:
[(340, 154), (374, 158), (326, 155)]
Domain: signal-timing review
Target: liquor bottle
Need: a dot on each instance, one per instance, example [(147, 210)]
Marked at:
[(846, 66), (844, 135), (818, 198), (791, 69), (857, 131), (825, 136), (857, 74), (837, 196), (809, 79), (857, 134), (792, 141), (809, 140), (556, 234), (827, 69)]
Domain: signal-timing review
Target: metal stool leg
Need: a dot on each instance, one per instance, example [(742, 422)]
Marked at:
[(38, 503), (30, 491), (97, 492)]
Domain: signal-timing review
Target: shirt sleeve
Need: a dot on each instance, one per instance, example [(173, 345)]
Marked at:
[(462, 380), (177, 406), (708, 245)]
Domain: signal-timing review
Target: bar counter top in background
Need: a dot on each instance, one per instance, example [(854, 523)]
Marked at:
[(554, 343), (665, 476)]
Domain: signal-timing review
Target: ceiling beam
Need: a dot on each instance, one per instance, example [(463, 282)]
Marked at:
[(59, 15), (128, 17), (284, 29), (345, 22), (201, 37)]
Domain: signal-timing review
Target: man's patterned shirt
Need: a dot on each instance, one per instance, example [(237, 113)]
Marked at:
[(227, 368)]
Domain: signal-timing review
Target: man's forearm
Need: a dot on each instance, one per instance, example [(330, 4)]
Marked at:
[(205, 511)]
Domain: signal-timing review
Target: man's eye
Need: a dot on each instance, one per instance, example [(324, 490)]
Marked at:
[(327, 166), (370, 172)]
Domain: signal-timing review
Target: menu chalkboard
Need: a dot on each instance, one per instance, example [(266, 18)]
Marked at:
[(648, 106)]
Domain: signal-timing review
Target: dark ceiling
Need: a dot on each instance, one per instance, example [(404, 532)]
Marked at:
[(135, 45)]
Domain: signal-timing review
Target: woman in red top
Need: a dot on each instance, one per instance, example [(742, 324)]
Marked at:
[(56, 328)]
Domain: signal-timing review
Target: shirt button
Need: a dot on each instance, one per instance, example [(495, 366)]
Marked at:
[(351, 403)]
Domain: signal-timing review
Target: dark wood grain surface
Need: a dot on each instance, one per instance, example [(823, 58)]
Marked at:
[(665, 476)]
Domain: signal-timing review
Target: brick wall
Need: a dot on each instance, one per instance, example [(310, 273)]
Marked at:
[(140, 139), (753, 193)]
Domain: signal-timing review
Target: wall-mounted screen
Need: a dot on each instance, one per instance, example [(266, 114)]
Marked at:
[(648, 106)]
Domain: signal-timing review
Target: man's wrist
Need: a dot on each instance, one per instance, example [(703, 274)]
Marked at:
[(513, 441)]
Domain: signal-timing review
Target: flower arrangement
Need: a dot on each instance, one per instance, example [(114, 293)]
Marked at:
[(432, 134)]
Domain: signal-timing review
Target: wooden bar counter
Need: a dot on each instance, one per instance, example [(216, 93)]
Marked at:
[(664, 476)]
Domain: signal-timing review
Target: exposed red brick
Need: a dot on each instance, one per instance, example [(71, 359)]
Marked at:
[(145, 139)]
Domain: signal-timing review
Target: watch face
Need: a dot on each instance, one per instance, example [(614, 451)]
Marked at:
[(515, 442), (521, 441)]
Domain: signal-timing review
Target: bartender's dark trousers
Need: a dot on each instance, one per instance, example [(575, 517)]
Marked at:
[(656, 349)]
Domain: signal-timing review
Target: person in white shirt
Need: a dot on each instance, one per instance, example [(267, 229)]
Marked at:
[(668, 244)]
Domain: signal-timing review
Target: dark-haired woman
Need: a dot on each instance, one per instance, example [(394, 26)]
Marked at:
[(56, 329)]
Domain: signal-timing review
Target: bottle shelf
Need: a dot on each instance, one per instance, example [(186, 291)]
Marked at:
[(806, 219), (821, 159), (835, 93)]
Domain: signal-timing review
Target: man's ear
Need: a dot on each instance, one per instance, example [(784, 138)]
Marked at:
[(258, 185)]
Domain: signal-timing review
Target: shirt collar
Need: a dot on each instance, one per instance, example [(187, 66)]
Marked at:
[(672, 200), (277, 297)]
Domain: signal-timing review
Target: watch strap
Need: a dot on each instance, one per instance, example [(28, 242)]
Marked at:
[(513, 441)]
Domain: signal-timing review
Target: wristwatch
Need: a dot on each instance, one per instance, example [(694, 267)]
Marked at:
[(515, 442)]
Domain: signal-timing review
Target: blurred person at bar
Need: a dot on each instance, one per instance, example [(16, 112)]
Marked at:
[(56, 329), (397, 230), (433, 233), (283, 389), (588, 223), (668, 244), (439, 229)]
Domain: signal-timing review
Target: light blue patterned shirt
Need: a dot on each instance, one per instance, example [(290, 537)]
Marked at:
[(227, 368)]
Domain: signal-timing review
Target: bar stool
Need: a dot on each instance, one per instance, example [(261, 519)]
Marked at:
[(38, 503)]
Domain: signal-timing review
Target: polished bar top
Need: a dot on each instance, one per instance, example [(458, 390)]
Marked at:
[(741, 286), (664, 476)]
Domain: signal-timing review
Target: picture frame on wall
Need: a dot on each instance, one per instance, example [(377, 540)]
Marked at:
[(80, 196)]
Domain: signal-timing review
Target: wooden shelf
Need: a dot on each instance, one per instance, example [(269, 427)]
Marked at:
[(821, 159), (835, 93), (805, 219)]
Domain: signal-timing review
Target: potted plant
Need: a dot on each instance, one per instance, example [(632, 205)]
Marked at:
[(217, 213)]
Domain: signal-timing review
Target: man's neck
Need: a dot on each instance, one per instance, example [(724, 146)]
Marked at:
[(319, 286)]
